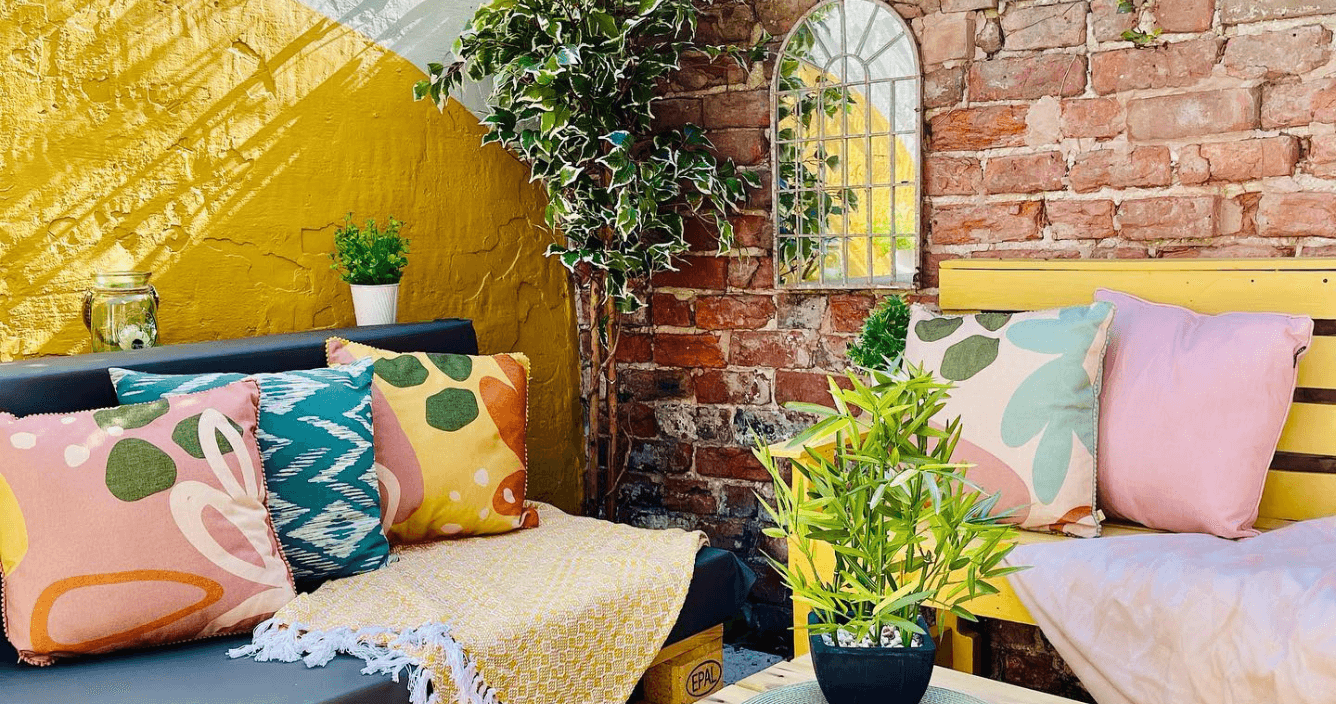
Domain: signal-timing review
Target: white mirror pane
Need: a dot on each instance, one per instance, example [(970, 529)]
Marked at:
[(848, 126)]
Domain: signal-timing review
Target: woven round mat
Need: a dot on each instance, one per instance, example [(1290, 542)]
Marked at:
[(810, 693)]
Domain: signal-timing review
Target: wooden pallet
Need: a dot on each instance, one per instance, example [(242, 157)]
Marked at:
[(687, 670), (800, 670)]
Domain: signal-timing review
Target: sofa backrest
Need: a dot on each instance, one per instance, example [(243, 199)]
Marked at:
[(1302, 481), (81, 382)]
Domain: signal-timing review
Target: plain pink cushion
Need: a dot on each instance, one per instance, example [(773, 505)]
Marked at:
[(1191, 412)]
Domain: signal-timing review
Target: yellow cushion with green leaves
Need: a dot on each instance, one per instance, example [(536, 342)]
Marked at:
[(449, 439)]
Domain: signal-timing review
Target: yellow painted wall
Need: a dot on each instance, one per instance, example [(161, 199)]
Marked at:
[(219, 143)]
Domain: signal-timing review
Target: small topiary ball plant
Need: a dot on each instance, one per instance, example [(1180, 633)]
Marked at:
[(370, 256), (881, 342)]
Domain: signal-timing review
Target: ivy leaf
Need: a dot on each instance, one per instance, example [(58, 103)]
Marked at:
[(618, 138)]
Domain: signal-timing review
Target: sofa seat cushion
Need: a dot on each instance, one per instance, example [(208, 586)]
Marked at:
[(201, 672)]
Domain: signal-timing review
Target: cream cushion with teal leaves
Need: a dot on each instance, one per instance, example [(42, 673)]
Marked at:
[(1027, 393)]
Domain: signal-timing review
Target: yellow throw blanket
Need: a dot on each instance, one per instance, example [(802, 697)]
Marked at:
[(573, 611)]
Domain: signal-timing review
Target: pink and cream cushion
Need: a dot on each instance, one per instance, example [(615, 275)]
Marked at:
[(1191, 412), (135, 526)]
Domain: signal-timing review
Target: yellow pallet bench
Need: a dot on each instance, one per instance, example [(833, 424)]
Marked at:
[(1302, 481)]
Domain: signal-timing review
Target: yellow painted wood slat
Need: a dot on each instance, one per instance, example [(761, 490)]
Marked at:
[(1306, 287), (1298, 496), (1317, 370), (1310, 429)]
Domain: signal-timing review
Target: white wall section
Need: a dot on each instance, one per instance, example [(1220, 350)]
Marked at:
[(422, 31)]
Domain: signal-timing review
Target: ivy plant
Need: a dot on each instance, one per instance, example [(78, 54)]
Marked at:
[(574, 87), (368, 255)]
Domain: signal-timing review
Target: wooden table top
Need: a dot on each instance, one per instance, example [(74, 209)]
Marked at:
[(800, 670)]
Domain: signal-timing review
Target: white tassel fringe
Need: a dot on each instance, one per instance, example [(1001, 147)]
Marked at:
[(274, 641)]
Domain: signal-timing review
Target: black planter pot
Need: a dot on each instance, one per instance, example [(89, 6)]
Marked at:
[(873, 675)]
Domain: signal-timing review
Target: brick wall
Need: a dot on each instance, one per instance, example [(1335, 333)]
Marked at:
[(1047, 136)]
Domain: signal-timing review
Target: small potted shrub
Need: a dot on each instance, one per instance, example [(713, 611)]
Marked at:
[(372, 261), (875, 483), (881, 341)]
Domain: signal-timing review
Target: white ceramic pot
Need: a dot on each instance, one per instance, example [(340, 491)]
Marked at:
[(376, 305)]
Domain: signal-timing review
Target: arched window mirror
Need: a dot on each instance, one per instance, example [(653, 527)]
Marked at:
[(847, 97)]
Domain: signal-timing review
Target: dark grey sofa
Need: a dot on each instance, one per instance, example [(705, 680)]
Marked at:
[(200, 672)]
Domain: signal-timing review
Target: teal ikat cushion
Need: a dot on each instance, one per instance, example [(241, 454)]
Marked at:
[(1027, 395), (316, 445)]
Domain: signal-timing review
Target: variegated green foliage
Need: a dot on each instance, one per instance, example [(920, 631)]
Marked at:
[(574, 87), (908, 530)]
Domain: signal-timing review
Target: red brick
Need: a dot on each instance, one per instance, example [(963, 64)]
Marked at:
[(835, 352), (1028, 77), (1093, 117), (1045, 26), (1121, 168), (1025, 173), (747, 147), (952, 176), (668, 309), (964, 5), (973, 129), (730, 463), (734, 312), (1119, 252), (1297, 215), (689, 495), (634, 348), (849, 310), (1272, 54), (700, 237), (639, 420), (1108, 23), (932, 267), (1251, 159), (1193, 169), (947, 36), (736, 109), (1294, 104), (752, 231), (696, 272), (726, 23), (796, 311), (746, 388), (1168, 66), (1192, 217), (986, 223), (806, 387), (670, 113), (1240, 11), (789, 349), (699, 72), (1322, 156), (1193, 114), (944, 87), (657, 384), (752, 273), (674, 350), (1080, 219), (658, 456), (1184, 15)]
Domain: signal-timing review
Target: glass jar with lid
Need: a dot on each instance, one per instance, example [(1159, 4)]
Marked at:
[(121, 311)]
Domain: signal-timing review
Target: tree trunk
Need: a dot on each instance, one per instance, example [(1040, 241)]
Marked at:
[(593, 466), (613, 321)]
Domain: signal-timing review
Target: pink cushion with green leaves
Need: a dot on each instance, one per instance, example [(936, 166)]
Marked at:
[(135, 526)]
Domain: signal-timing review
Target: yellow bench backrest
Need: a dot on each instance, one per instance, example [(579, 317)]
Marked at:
[(1302, 481)]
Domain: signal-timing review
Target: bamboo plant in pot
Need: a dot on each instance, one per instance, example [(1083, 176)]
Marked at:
[(372, 262), (876, 484)]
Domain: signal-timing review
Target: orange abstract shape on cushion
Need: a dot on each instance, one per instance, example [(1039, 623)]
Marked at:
[(1075, 515), (509, 497), (514, 371), (42, 641), (506, 407)]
